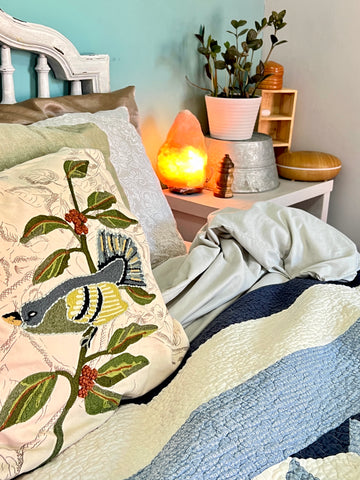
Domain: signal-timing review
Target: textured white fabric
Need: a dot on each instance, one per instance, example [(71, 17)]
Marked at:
[(136, 177), (236, 248)]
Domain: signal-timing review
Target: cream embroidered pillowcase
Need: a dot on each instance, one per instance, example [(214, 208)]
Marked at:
[(82, 320)]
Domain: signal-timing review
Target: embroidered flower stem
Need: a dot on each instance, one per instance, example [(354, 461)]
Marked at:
[(74, 386), (74, 391), (82, 237)]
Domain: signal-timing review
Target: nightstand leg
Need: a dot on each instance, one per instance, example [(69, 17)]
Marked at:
[(317, 206)]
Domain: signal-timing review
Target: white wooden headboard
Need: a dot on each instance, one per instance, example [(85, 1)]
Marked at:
[(87, 73)]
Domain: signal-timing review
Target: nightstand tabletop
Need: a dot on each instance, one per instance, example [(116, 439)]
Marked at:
[(191, 211)]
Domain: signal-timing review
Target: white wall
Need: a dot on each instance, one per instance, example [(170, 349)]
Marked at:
[(322, 61)]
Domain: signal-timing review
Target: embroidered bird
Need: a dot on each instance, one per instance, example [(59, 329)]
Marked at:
[(87, 300)]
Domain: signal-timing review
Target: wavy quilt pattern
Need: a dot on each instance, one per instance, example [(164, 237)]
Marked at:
[(264, 389)]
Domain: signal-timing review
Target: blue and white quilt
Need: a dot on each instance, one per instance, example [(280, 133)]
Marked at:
[(269, 390)]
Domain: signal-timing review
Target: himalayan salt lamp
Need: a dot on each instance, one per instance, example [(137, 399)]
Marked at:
[(182, 158)]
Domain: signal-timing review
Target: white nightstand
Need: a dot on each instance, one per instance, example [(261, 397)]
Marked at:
[(191, 211)]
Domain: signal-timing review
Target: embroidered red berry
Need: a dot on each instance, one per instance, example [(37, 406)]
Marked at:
[(79, 220), (86, 380)]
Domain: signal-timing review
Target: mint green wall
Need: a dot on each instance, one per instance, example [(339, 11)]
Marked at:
[(150, 43)]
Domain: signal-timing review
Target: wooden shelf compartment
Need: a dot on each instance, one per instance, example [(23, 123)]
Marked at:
[(279, 131), (278, 102)]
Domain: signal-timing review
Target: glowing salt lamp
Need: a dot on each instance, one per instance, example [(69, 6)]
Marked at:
[(182, 158)]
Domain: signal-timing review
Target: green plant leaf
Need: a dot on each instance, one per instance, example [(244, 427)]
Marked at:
[(123, 337), (99, 400), (215, 47), (257, 78), (76, 168), (119, 368), (255, 44), (201, 34), (203, 50), (238, 23), (220, 65), (41, 225), (139, 295), (199, 37), (281, 41), (273, 39), (251, 35), (115, 219), (207, 70), (260, 68), (53, 266), (243, 32), (100, 201), (28, 397)]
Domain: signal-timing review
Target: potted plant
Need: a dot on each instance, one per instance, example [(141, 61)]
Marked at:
[(236, 87)]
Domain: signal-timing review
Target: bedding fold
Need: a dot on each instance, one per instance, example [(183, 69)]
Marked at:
[(237, 248)]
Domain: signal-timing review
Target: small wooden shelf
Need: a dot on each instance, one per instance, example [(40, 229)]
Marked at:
[(276, 117), (280, 143)]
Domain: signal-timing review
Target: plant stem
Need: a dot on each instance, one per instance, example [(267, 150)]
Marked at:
[(74, 386), (197, 86), (82, 238), (268, 55), (72, 193), (215, 84), (85, 250), (96, 355)]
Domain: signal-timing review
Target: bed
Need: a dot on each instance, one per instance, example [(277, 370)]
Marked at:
[(125, 354)]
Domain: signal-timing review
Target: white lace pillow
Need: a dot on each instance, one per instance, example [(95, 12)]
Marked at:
[(137, 178)]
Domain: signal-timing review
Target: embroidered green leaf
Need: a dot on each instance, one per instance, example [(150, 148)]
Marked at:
[(115, 219), (76, 168), (99, 400), (100, 201), (119, 368), (41, 225), (123, 337), (27, 398), (52, 266), (140, 296)]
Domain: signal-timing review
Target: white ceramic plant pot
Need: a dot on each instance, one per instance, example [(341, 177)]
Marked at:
[(232, 118)]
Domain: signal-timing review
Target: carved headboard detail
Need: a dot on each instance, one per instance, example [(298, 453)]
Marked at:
[(87, 73)]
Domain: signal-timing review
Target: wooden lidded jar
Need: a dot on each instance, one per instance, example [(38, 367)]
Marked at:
[(275, 81)]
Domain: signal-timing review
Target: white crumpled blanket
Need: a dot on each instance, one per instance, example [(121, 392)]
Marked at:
[(238, 248)]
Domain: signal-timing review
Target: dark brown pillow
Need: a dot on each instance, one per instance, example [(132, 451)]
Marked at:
[(36, 109)]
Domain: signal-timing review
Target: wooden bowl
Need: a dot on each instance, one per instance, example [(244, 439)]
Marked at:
[(308, 166)]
